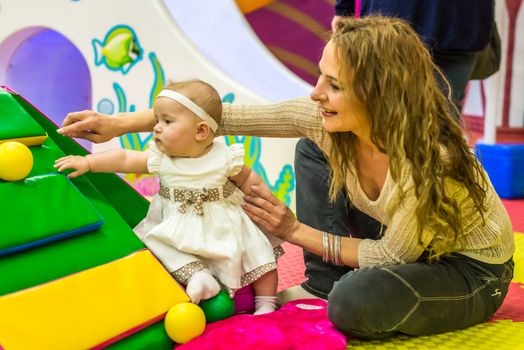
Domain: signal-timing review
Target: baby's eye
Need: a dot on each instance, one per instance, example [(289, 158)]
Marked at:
[(168, 121)]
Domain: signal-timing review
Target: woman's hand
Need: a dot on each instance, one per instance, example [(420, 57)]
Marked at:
[(90, 125), (80, 164), (269, 213)]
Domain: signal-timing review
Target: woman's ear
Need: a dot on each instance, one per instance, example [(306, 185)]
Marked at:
[(203, 131)]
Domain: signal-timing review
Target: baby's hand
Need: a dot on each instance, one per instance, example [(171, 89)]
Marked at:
[(80, 164)]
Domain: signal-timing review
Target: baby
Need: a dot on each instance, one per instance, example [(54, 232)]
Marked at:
[(195, 224)]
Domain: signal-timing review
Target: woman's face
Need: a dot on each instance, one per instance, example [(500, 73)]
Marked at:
[(340, 108)]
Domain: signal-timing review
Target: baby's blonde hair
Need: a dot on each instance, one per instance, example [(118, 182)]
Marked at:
[(201, 93)]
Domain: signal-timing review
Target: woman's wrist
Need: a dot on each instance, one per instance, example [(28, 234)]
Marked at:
[(124, 123), (121, 124), (294, 236)]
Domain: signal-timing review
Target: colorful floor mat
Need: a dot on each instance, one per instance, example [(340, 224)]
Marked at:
[(515, 208)]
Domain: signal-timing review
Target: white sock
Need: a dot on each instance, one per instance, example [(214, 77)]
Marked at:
[(265, 304), (202, 285)]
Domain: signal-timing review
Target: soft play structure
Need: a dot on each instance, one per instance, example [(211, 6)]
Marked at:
[(74, 276)]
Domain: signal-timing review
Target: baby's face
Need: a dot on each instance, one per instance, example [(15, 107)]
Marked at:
[(175, 129)]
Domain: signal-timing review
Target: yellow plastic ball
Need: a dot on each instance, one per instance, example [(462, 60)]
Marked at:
[(16, 161), (184, 321)]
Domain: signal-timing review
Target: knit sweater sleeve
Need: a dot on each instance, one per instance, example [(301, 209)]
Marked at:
[(292, 118), (486, 237)]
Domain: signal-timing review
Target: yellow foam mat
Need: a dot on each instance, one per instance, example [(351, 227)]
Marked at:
[(518, 258), (501, 334), (28, 141), (90, 307)]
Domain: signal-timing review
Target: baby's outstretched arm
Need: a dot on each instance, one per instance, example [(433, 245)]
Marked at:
[(247, 178), (114, 161)]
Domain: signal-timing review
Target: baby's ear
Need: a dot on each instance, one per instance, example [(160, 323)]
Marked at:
[(203, 131)]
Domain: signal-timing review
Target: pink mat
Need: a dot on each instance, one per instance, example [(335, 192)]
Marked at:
[(300, 324)]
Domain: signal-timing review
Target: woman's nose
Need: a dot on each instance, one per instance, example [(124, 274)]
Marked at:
[(317, 94)]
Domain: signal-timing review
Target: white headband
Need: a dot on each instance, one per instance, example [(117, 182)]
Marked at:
[(192, 106)]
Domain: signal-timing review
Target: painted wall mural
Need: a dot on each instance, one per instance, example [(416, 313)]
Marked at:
[(119, 51)]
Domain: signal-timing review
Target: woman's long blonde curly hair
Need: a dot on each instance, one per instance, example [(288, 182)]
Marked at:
[(392, 74)]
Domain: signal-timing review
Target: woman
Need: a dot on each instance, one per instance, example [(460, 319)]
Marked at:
[(443, 258)]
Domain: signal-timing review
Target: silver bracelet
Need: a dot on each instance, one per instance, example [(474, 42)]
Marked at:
[(337, 260), (331, 252), (331, 248), (325, 247)]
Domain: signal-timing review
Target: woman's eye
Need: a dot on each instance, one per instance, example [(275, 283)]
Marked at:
[(334, 87)]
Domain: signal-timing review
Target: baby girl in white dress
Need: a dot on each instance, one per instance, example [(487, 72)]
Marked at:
[(195, 225)]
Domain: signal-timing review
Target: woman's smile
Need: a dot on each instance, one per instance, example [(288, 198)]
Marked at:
[(326, 113)]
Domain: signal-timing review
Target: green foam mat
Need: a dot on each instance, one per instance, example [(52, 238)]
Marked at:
[(15, 122), (42, 209)]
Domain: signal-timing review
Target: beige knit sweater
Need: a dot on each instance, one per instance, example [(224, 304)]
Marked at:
[(490, 241)]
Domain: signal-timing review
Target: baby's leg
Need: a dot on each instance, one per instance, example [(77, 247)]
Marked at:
[(202, 285), (265, 293)]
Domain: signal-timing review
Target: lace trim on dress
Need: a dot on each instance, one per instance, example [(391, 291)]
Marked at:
[(252, 276), (183, 274), (278, 251)]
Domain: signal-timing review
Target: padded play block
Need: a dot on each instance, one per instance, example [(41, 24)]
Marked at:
[(505, 167), (16, 124), (113, 240), (43, 209), (89, 308)]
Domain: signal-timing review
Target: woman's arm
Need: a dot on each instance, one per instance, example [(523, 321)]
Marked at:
[(274, 217), (292, 118), (98, 127)]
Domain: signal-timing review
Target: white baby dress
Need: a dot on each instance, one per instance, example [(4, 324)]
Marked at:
[(223, 239)]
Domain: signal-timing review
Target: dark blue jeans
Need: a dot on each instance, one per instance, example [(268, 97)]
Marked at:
[(418, 298), (316, 210)]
